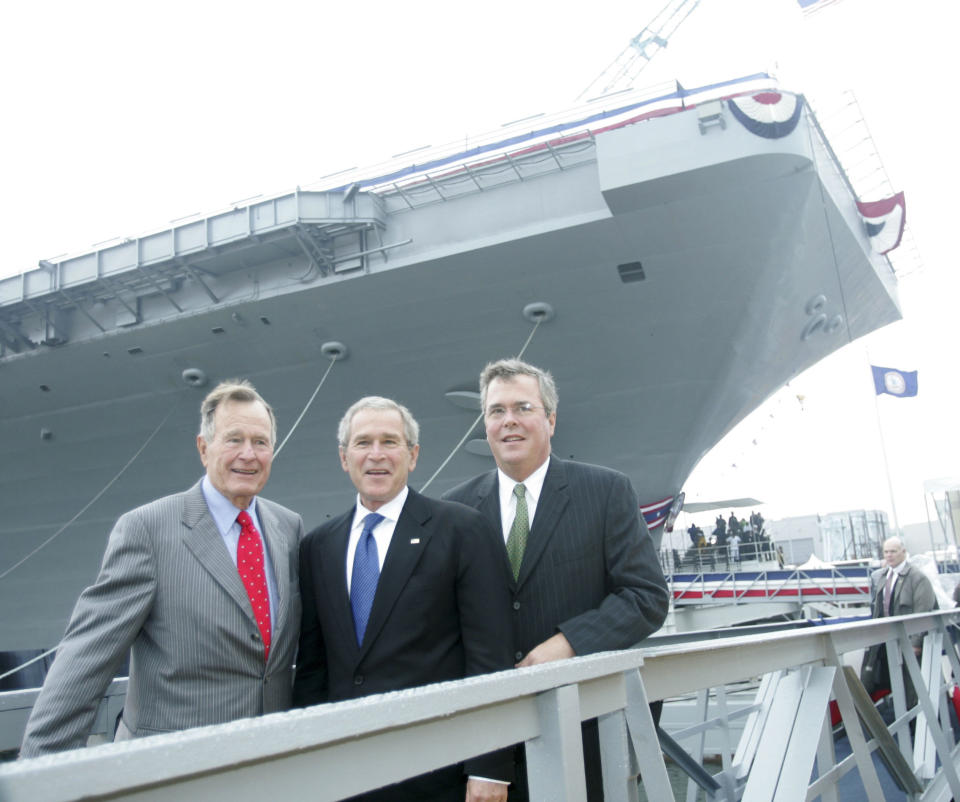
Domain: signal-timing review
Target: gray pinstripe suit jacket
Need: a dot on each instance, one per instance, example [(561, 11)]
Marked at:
[(169, 592), (589, 570)]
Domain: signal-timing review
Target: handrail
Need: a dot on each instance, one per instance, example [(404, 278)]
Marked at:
[(420, 729)]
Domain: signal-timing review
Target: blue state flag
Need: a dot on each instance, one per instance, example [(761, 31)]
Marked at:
[(902, 383)]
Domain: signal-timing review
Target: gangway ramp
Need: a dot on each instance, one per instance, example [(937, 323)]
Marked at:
[(838, 585)]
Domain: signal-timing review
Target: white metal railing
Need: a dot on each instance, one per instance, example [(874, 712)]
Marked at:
[(341, 749), (838, 585)]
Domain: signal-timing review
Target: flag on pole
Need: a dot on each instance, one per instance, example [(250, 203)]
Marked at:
[(902, 383)]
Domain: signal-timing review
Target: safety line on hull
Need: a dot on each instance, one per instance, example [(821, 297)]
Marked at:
[(479, 417), (92, 501), (296, 423), (30, 662)]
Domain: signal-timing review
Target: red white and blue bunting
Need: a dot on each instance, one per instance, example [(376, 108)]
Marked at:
[(657, 512), (768, 114), (884, 220)]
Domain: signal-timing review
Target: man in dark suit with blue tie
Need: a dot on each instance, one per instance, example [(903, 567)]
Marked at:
[(401, 591), (582, 568)]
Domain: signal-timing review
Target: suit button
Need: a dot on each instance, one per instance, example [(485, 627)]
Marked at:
[(358, 680), (254, 636), (518, 656), (516, 605)]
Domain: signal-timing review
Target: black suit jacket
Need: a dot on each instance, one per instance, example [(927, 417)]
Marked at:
[(589, 570), (441, 610)]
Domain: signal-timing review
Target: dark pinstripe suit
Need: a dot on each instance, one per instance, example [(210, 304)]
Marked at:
[(169, 591), (589, 570)]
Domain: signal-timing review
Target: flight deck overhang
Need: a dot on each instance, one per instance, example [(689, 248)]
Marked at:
[(181, 266)]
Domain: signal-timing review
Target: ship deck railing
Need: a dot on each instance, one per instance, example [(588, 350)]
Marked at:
[(786, 750), (754, 553), (355, 199)]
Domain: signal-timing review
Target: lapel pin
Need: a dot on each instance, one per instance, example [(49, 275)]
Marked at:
[(414, 541)]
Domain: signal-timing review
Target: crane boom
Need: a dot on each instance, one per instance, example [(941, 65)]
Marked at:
[(625, 68)]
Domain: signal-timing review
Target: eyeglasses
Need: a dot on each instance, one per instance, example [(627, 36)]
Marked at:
[(522, 410)]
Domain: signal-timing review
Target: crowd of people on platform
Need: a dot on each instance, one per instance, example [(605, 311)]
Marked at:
[(732, 541)]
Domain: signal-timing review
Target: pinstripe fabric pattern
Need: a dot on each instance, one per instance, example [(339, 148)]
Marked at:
[(590, 568), (169, 591), (590, 571)]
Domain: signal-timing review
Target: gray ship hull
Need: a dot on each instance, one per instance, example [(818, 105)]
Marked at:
[(687, 271)]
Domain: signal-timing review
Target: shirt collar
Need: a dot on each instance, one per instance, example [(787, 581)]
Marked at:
[(221, 508), (391, 510), (533, 483)]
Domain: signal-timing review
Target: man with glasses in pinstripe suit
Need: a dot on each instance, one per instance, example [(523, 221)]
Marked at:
[(582, 568)]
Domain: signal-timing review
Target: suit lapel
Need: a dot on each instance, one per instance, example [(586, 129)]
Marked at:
[(410, 538), (203, 540), (553, 500), (332, 562), (897, 589), (488, 503), (279, 559)]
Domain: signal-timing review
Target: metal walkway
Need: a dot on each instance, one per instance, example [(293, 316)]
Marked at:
[(786, 750), (847, 585)]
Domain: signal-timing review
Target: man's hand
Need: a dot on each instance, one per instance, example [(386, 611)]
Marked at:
[(555, 648), (484, 791)]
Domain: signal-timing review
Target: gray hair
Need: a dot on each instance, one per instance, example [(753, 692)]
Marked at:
[(231, 390), (508, 370), (411, 429)]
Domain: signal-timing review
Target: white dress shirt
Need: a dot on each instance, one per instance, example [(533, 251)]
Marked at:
[(382, 532), (224, 515), (897, 572), (533, 485)]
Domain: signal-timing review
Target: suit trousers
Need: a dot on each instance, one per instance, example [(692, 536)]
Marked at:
[(443, 785)]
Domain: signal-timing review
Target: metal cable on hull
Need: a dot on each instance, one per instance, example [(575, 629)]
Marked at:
[(538, 316), (92, 501)]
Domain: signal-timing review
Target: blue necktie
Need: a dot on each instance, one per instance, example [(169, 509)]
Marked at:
[(366, 574)]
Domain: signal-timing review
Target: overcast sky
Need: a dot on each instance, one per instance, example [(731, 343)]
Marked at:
[(124, 116)]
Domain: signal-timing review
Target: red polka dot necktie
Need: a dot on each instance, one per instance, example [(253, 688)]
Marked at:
[(250, 566)]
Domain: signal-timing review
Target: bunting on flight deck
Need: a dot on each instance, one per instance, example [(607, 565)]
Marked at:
[(884, 220), (768, 114)]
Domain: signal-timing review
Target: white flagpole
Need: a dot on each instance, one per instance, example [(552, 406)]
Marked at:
[(883, 450)]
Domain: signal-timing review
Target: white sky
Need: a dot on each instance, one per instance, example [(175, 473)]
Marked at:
[(123, 116)]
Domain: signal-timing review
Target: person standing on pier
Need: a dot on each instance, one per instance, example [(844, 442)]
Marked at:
[(200, 587), (401, 591), (581, 565), (897, 588)]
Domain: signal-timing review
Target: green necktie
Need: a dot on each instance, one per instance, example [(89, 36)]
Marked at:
[(517, 539)]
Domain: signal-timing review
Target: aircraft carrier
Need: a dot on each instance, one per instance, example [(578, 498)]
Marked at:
[(672, 260)]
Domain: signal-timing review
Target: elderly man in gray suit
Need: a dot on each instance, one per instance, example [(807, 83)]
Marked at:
[(200, 587), (582, 568), (898, 588)]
